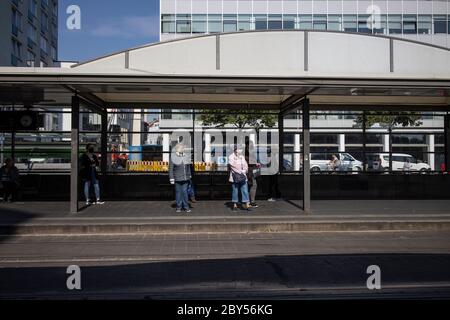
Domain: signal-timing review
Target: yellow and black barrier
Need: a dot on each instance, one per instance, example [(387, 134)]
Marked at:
[(163, 166)]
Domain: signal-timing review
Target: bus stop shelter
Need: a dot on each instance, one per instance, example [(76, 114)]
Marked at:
[(259, 70)]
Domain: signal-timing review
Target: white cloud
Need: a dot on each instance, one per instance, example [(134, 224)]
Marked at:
[(129, 27)]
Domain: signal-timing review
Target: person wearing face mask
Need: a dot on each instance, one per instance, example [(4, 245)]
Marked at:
[(238, 178), (180, 175), (89, 163)]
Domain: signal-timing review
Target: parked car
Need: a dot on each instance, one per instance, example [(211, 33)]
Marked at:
[(400, 162), (320, 162)]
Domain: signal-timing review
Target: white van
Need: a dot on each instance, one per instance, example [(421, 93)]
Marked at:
[(320, 161), (400, 162)]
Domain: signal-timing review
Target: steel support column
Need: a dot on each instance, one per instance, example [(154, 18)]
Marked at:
[(104, 144), (447, 142), (280, 142), (390, 149), (364, 132), (13, 140), (306, 158), (74, 154)]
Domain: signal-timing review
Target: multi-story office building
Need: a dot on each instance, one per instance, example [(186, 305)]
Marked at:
[(29, 33), (421, 20)]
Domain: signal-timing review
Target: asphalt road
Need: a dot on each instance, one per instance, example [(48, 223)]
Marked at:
[(267, 265)]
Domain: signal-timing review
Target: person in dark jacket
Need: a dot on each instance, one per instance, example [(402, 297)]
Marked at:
[(9, 179), (88, 173), (180, 175)]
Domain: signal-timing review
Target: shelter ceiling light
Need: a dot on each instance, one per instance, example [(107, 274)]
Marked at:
[(134, 89), (251, 90)]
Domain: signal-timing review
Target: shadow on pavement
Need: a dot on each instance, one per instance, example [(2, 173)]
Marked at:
[(298, 273), (11, 217)]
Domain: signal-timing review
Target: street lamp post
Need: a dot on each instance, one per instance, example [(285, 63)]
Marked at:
[(2, 139)]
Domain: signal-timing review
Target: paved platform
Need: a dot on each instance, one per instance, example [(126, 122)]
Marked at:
[(216, 216)]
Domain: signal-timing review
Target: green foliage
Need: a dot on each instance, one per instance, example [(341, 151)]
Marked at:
[(245, 118), (389, 119)]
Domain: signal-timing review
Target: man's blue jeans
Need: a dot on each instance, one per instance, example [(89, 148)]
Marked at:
[(244, 192), (87, 185), (181, 194)]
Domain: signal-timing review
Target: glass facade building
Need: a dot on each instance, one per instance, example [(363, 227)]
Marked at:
[(421, 20), (29, 33)]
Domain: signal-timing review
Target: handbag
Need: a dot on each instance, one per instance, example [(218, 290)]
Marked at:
[(239, 177), (256, 172)]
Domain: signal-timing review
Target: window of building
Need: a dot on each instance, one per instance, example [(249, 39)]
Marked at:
[(183, 23), (229, 23), (305, 21), (424, 25), (44, 46), (54, 54), (55, 8), (44, 4), (32, 7), (16, 48), (395, 24), (410, 24), (440, 24), (261, 22), (380, 27), (363, 24), (16, 20), (244, 22), (289, 22), (334, 22), (214, 23), (44, 22), (324, 138), (199, 23), (32, 33), (275, 22), (350, 23), (31, 59), (168, 23), (43, 64), (320, 22)]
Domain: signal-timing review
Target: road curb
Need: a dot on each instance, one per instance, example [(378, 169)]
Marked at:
[(222, 227)]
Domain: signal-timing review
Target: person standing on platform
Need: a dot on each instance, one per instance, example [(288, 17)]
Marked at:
[(238, 178), (180, 175), (89, 175), (9, 179)]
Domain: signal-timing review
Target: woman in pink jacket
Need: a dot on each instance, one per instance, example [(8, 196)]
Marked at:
[(238, 178)]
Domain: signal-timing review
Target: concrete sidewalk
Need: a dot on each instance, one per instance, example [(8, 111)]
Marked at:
[(216, 216)]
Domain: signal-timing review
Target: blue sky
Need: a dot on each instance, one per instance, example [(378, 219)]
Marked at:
[(107, 26)]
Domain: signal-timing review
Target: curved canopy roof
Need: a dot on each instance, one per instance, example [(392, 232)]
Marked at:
[(281, 54), (264, 69)]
